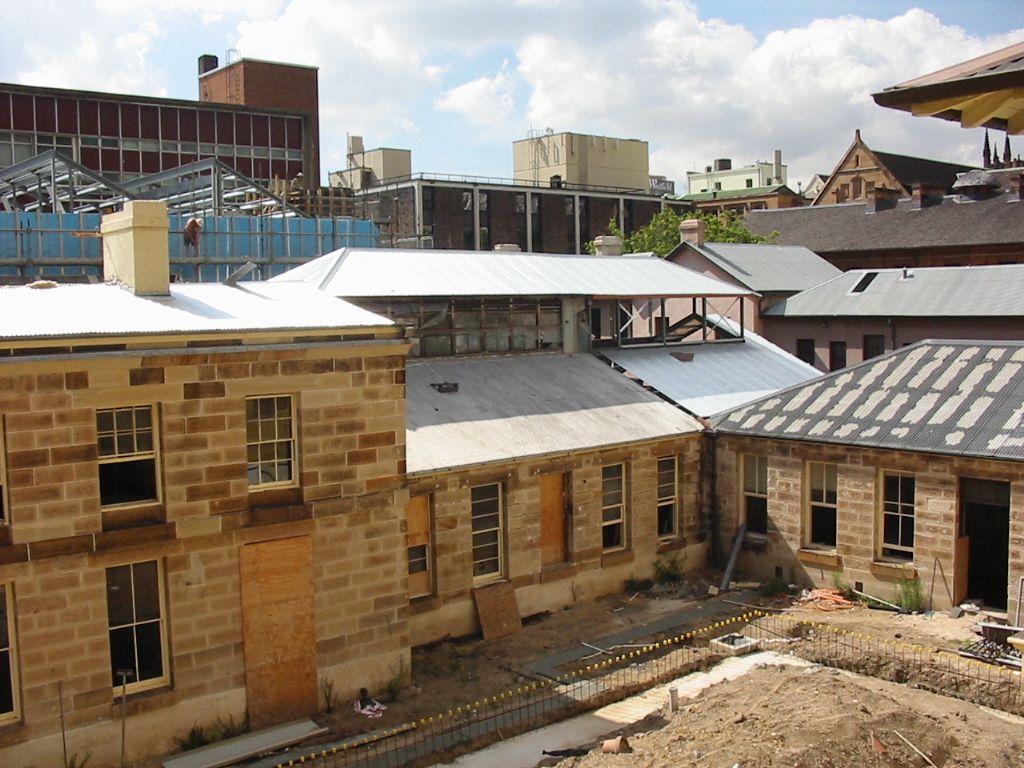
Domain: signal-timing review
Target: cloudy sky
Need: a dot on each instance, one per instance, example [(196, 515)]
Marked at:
[(457, 81)]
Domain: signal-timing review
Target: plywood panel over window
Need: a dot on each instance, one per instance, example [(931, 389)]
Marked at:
[(554, 507), (418, 549), (278, 630)]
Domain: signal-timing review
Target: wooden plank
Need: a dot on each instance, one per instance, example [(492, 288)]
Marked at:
[(961, 564), (231, 751), (417, 521), (552, 519), (498, 610), (278, 630)]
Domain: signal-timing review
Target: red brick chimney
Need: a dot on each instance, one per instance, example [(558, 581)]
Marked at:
[(881, 198), (924, 195)]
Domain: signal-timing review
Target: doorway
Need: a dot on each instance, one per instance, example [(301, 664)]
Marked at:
[(984, 541)]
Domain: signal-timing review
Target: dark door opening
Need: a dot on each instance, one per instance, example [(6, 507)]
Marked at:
[(985, 522)]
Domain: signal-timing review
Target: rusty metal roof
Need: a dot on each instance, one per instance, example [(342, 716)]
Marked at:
[(962, 398)]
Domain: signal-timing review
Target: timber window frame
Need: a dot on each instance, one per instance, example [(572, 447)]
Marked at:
[(137, 625), (754, 492), (126, 443), (271, 444), (821, 513), (10, 703), (896, 515), (4, 517), (487, 521), (667, 481), (419, 545), (613, 507)]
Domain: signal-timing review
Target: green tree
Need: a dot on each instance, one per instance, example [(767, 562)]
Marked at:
[(662, 234)]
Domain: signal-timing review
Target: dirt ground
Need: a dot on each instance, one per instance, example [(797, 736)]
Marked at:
[(777, 717)]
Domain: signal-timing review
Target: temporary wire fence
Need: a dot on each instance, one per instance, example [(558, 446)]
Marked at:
[(617, 676)]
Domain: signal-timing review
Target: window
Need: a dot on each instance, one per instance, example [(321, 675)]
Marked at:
[(862, 285), (270, 440), (8, 668), (805, 350), (898, 516), (755, 493), (750, 183), (668, 482), (135, 620), (613, 507), (836, 355), (127, 455), (486, 512), (823, 504), (417, 544), (874, 345), (3, 475)]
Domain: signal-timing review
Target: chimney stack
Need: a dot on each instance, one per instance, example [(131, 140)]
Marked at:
[(692, 231), (777, 166), (135, 248), (924, 195), (881, 198), (607, 245)]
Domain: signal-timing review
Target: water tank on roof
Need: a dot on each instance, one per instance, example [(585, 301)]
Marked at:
[(723, 164), (207, 63)]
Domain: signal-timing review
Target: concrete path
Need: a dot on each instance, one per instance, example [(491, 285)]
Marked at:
[(524, 751)]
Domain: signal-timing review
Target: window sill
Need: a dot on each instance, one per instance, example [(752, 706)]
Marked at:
[(671, 545), (893, 569), (424, 604), (146, 699), (117, 518), (263, 498), (618, 557), (558, 571), (826, 558)]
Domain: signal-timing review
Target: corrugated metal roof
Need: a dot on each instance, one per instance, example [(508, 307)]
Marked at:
[(110, 310), (994, 291), (719, 376), (963, 398), (379, 273), (763, 268), (516, 406)]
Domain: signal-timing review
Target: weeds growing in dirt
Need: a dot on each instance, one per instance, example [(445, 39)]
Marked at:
[(398, 681), (73, 761), (633, 584), (842, 586), (330, 695), (668, 568), (909, 595), (218, 730), (776, 585)]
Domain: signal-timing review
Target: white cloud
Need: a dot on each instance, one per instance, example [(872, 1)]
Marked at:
[(486, 102)]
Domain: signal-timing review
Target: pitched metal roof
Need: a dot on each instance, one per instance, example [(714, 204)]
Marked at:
[(910, 170), (992, 291), (963, 398), (765, 268), (706, 379), (730, 194), (517, 406), (953, 221), (380, 273), (75, 311)]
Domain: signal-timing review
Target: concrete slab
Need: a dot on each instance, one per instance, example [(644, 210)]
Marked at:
[(524, 751), (232, 751)]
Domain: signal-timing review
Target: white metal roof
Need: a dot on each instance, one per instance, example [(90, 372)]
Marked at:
[(991, 291), (379, 273), (764, 267), (111, 310), (517, 406), (720, 375)]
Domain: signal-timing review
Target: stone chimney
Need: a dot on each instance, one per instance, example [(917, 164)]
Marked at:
[(924, 195), (692, 231), (607, 245), (135, 248), (881, 198)]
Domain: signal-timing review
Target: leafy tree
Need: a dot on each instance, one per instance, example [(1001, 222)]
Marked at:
[(662, 234)]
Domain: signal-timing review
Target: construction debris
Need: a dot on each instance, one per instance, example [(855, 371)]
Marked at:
[(826, 599)]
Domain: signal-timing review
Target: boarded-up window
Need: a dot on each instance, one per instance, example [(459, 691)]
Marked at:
[(417, 542)]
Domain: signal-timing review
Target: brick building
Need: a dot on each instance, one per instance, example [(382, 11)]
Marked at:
[(907, 466), (203, 488)]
